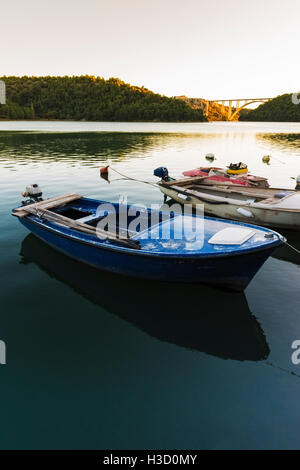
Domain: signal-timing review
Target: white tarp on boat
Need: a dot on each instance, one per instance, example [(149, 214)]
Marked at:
[(231, 236)]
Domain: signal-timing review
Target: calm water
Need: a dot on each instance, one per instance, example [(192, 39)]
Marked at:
[(98, 361)]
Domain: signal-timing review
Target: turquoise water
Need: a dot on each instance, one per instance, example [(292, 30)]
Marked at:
[(99, 361)]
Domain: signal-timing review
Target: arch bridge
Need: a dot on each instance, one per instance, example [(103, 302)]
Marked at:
[(233, 106)]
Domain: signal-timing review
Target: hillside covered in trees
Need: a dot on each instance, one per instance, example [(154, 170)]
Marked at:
[(280, 109), (89, 98)]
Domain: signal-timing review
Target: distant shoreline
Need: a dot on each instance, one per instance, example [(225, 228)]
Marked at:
[(85, 120), (89, 98)]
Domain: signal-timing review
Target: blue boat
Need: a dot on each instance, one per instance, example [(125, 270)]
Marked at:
[(150, 244)]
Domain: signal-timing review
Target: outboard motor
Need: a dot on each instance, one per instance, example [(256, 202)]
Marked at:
[(33, 193), (298, 182), (162, 172)]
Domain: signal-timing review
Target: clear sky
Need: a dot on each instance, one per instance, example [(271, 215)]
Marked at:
[(204, 48)]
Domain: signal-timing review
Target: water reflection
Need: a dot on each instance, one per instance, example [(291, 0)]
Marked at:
[(285, 252), (146, 150), (36, 147), (193, 316), (283, 142)]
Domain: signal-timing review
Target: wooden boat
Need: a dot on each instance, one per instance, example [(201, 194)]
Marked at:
[(227, 254), (264, 206)]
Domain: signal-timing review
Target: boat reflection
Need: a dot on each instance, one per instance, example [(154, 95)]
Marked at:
[(192, 316), (285, 252)]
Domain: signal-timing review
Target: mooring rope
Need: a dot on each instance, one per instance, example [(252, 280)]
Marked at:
[(292, 247), (133, 179), (282, 369)]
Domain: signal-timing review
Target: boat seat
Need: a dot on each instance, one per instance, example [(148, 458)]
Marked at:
[(87, 218), (93, 216)]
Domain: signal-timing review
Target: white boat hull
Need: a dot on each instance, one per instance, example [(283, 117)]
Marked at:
[(269, 217)]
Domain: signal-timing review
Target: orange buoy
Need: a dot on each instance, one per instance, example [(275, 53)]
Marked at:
[(104, 170)]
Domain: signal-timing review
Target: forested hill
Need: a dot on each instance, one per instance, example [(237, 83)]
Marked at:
[(89, 98), (279, 109)]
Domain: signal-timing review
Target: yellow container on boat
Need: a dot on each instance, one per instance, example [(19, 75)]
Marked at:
[(237, 172)]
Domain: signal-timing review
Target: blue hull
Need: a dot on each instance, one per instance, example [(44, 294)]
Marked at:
[(232, 270)]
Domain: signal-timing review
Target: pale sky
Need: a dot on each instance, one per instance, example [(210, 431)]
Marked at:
[(216, 49)]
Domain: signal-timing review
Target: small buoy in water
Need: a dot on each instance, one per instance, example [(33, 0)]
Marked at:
[(266, 159), (104, 173), (104, 170), (244, 212), (210, 156), (298, 182)]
